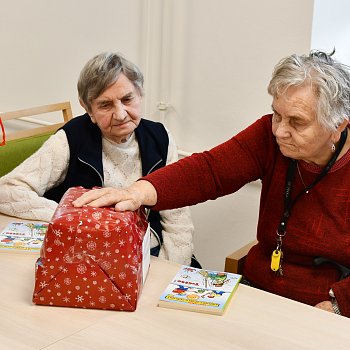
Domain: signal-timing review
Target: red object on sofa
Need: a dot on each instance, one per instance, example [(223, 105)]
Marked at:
[(92, 257)]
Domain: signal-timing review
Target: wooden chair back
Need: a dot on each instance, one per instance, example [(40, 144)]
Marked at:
[(63, 107)]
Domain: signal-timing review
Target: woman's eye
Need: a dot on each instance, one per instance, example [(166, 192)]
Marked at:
[(127, 100), (104, 105), (297, 123)]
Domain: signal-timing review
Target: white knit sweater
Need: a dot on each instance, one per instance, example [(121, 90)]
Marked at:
[(21, 190)]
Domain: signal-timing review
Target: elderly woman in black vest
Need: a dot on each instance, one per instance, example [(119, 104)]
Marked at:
[(110, 145)]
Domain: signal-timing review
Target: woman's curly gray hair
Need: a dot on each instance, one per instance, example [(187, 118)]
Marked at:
[(329, 79), (102, 71)]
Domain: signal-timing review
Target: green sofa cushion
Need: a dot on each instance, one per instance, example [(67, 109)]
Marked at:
[(16, 151)]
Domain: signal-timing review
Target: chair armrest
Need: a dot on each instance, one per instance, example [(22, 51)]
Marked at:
[(235, 261)]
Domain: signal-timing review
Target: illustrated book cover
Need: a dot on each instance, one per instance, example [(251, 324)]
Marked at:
[(200, 290), (23, 236)]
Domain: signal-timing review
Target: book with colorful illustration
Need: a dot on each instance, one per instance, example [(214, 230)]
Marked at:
[(23, 236), (200, 290)]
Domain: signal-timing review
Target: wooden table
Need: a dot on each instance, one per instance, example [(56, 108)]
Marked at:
[(254, 319)]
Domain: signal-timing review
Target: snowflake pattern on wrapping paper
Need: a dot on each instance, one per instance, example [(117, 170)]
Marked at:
[(107, 234), (91, 258), (91, 245), (81, 269), (122, 275), (106, 265), (97, 215), (58, 233)]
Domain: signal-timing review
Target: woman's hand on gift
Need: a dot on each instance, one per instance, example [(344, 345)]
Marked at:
[(139, 193)]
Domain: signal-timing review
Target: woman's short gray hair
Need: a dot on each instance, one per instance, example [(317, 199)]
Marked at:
[(329, 79), (102, 71)]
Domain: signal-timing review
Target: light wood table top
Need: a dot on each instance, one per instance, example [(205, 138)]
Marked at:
[(254, 319)]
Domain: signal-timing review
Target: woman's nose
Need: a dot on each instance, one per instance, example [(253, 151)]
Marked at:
[(119, 112), (282, 129)]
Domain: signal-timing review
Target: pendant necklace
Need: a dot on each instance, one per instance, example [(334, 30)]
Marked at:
[(301, 178)]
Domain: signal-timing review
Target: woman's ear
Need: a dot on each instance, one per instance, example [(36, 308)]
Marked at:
[(87, 111), (342, 126)]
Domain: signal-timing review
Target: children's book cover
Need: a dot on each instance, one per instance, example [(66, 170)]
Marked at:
[(200, 290), (23, 236)]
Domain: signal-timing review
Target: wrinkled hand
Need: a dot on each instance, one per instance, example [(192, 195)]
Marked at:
[(325, 305), (131, 198)]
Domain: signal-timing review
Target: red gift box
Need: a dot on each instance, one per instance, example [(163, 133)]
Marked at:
[(92, 257)]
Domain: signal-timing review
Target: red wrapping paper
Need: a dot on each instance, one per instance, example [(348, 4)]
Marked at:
[(92, 257)]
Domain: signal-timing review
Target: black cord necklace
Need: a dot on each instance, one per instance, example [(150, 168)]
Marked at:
[(277, 254)]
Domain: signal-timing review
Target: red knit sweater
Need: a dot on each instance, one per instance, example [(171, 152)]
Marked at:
[(319, 224)]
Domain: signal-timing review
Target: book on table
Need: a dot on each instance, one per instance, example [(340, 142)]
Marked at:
[(23, 236), (200, 290)]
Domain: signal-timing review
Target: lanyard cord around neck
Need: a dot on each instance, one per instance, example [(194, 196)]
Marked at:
[(288, 202)]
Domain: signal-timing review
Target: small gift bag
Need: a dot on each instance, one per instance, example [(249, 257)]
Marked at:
[(92, 257), (3, 137)]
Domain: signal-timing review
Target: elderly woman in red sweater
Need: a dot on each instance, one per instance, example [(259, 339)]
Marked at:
[(301, 154)]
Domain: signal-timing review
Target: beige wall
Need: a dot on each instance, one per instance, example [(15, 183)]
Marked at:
[(44, 44), (209, 61), (217, 60)]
